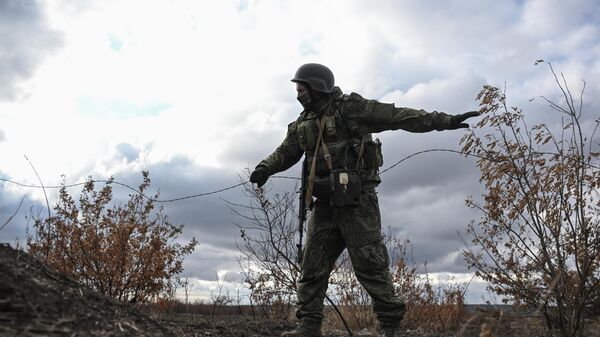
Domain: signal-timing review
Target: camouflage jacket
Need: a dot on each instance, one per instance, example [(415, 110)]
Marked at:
[(350, 118)]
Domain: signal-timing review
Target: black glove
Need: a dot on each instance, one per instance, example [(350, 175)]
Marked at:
[(259, 176), (456, 121)]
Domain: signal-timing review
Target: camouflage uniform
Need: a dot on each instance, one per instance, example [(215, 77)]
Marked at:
[(358, 229)]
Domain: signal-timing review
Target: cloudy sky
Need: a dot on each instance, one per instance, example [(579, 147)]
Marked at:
[(196, 91)]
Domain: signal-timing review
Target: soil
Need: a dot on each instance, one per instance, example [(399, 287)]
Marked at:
[(238, 326), (38, 301), (35, 300)]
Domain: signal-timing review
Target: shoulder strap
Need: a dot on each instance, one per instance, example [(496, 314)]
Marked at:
[(326, 152), (313, 165)]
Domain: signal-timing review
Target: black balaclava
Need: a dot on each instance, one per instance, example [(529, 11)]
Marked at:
[(305, 100), (313, 100)]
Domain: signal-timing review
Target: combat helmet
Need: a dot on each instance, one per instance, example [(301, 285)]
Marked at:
[(317, 76)]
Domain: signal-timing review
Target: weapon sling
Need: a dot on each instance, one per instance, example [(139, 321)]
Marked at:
[(309, 189), (313, 165)]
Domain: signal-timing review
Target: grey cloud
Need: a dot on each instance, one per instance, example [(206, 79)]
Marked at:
[(433, 219), (386, 68), (425, 169), (206, 217), (128, 151), (207, 260), (245, 146), (449, 29), (26, 40), (248, 147), (498, 40), (454, 94), (2, 136), (547, 18), (451, 262), (235, 277)]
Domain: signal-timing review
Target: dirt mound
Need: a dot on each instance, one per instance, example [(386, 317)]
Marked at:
[(38, 301)]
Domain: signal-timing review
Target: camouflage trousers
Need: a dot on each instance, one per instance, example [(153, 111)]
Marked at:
[(330, 231)]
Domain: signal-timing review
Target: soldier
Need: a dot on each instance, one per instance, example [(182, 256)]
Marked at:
[(334, 131)]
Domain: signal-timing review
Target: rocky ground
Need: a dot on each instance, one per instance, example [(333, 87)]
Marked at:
[(37, 301)]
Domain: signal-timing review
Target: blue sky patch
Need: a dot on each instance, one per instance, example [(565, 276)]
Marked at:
[(115, 43), (242, 5), (118, 108)]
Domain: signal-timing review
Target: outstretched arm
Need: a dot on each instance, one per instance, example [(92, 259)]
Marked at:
[(370, 116)]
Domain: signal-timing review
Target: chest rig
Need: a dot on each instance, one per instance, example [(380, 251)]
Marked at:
[(334, 156)]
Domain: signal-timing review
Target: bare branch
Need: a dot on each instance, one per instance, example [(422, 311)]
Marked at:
[(13, 215)]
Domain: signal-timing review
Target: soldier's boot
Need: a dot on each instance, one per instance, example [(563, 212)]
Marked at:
[(390, 330), (305, 328)]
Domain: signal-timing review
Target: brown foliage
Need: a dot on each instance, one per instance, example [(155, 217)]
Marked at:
[(429, 306), (538, 240), (124, 251)]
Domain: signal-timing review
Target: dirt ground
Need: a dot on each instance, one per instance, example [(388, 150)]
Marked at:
[(237, 326), (37, 301)]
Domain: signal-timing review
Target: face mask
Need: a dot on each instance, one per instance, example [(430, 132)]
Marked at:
[(305, 100)]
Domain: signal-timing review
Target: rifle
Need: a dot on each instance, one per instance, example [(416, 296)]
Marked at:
[(302, 209)]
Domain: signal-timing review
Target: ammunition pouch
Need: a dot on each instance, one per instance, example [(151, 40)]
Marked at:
[(345, 188), (372, 157), (341, 187)]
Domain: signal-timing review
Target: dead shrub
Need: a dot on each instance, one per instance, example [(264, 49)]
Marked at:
[(129, 252)]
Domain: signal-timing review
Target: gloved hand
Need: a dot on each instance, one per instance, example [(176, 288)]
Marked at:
[(456, 121), (259, 176)]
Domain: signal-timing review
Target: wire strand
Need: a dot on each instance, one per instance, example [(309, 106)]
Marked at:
[(128, 187), (228, 187), (199, 194)]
